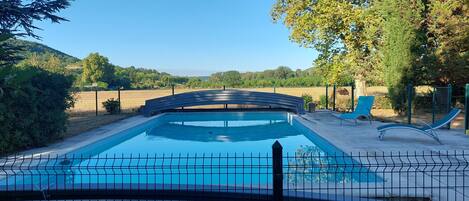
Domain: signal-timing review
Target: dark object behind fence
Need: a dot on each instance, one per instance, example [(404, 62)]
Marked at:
[(410, 94), (466, 108)]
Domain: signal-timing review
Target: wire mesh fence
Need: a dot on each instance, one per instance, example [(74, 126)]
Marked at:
[(131, 100), (428, 104), (305, 175)]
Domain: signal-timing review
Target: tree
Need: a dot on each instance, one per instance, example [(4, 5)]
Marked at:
[(17, 20), (216, 77), (167, 80), (232, 78), (448, 31), (96, 68), (283, 72), (48, 61), (342, 29), (194, 82), (402, 39)]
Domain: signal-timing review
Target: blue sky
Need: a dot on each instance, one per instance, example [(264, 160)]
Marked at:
[(182, 37)]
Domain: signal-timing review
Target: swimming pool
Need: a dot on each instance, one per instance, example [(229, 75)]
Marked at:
[(198, 148), (202, 132)]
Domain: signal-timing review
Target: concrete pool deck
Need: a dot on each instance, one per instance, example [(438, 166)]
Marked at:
[(363, 137), (349, 137)]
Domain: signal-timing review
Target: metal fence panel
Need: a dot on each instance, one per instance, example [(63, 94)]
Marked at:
[(305, 175)]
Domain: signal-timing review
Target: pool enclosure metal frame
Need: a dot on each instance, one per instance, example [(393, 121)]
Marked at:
[(224, 97)]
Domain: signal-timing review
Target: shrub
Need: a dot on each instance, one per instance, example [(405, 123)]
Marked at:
[(111, 105), (383, 102), (32, 107), (343, 104), (322, 101), (307, 99), (424, 102)]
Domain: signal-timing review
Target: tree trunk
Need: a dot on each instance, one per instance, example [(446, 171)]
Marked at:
[(360, 87)]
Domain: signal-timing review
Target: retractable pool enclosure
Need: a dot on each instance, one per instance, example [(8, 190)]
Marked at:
[(219, 97)]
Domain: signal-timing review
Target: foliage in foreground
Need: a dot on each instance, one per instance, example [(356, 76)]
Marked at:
[(32, 107), (32, 100)]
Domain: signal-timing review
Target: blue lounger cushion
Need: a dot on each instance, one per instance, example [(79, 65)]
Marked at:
[(363, 109)]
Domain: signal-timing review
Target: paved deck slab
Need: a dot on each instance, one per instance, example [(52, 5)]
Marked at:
[(363, 137)]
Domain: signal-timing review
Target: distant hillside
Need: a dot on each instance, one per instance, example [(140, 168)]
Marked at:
[(45, 57), (42, 50)]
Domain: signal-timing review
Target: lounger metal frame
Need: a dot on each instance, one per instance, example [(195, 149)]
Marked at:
[(368, 117), (431, 131), (428, 132)]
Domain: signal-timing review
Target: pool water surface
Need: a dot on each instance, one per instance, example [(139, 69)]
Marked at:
[(197, 133), (198, 148)]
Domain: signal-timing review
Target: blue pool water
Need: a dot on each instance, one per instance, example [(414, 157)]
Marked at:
[(217, 148), (197, 133)]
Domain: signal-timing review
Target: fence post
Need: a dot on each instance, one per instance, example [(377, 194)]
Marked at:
[(119, 97), (450, 96), (333, 97), (226, 105), (433, 104), (96, 102), (409, 103), (277, 171), (275, 90), (353, 96), (466, 108), (172, 90), (327, 96)]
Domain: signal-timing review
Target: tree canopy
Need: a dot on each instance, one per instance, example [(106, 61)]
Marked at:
[(448, 41), (402, 41), (341, 31), (96, 68), (17, 20)]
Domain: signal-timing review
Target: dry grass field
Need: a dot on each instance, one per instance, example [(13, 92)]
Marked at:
[(79, 124), (132, 99)]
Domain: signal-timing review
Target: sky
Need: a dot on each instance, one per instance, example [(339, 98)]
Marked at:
[(181, 37)]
